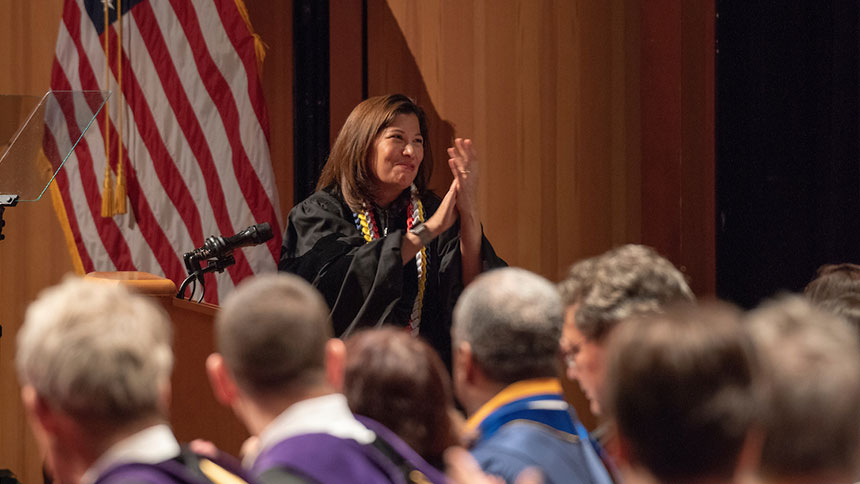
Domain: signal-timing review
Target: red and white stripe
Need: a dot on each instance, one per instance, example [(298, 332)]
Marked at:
[(195, 140)]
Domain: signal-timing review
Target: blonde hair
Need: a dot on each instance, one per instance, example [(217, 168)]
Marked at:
[(96, 351)]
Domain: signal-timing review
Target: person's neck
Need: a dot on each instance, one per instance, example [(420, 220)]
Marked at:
[(82, 444), (384, 198), (259, 412), (481, 393)]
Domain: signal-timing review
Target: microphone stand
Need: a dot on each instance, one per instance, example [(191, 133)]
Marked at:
[(195, 273), (6, 201)]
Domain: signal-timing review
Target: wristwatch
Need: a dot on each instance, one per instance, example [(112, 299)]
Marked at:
[(423, 233)]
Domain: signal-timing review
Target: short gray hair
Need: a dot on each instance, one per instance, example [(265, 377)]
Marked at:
[(812, 369), (627, 281), (96, 351), (512, 320), (272, 331)]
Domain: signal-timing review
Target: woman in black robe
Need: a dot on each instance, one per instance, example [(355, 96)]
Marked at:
[(380, 247)]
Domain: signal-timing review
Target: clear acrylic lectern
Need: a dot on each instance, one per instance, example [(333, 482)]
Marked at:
[(37, 135)]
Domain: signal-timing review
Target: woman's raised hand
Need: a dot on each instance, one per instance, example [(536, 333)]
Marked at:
[(464, 165), (446, 214)]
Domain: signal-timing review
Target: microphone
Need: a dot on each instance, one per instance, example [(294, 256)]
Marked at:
[(218, 247)]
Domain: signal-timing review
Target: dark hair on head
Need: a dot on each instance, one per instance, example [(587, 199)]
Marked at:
[(836, 289), (401, 382), (683, 388), (348, 167), (272, 332)]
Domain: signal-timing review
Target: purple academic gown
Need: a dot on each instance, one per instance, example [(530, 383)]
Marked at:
[(166, 472), (327, 459)]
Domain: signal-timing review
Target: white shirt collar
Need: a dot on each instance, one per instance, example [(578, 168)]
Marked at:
[(149, 446), (328, 414)]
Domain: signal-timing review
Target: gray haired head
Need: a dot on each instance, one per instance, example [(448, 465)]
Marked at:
[(96, 351), (512, 320)]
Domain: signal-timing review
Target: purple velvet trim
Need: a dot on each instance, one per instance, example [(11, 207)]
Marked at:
[(332, 460), (402, 448), (325, 459), (167, 472)]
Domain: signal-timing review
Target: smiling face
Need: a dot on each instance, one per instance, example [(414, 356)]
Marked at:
[(397, 152)]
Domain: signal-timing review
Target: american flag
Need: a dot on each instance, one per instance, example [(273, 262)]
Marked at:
[(194, 130)]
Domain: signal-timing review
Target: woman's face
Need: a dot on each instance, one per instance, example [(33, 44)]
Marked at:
[(396, 155)]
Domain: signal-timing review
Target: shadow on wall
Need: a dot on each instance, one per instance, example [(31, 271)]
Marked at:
[(391, 69)]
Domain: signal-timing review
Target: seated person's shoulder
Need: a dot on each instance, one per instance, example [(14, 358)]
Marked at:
[(519, 445)]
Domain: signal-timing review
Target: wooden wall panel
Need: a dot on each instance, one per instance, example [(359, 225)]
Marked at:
[(34, 255), (678, 150), (546, 90)]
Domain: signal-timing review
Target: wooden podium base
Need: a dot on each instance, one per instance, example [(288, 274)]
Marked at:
[(194, 412)]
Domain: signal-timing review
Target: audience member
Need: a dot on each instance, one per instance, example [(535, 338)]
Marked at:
[(836, 288), (462, 468), (400, 381), (281, 372), (682, 389), (506, 330), (627, 281), (812, 368), (94, 362), (572, 290)]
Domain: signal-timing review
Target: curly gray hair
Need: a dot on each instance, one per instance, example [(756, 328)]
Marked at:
[(627, 281)]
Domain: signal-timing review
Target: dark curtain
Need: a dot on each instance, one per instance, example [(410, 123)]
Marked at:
[(311, 94), (788, 143)]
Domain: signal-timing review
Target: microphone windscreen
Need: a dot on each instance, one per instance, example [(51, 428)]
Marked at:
[(264, 232)]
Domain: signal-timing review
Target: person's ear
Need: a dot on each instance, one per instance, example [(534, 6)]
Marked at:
[(622, 450), (165, 395), (335, 363), (749, 458), (38, 410), (464, 362), (223, 386)]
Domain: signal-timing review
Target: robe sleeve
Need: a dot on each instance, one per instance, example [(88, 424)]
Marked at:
[(361, 282), (450, 265)]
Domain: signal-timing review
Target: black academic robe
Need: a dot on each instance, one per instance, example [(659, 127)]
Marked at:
[(366, 284)]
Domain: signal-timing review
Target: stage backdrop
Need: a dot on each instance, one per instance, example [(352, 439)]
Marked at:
[(594, 121)]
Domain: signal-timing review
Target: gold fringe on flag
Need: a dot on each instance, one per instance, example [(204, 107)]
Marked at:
[(107, 192), (120, 206), (113, 199), (259, 46)]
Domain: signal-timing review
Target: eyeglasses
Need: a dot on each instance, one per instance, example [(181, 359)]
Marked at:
[(570, 350)]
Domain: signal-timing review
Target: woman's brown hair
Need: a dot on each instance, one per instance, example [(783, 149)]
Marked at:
[(347, 166), (401, 382)]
